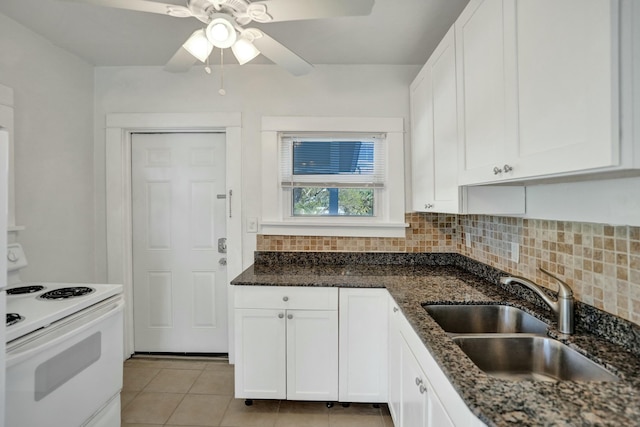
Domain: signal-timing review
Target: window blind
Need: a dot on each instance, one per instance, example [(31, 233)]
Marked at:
[(345, 160)]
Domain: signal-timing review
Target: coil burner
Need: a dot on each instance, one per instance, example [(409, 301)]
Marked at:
[(65, 293)]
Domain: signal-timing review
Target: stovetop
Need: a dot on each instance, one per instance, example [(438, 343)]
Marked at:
[(39, 312)]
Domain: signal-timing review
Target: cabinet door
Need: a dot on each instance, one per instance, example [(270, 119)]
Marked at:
[(363, 345), (413, 403), (567, 85), (312, 355), (487, 103), (436, 414), (434, 131), (260, 369), (395, 362), (422, 141)]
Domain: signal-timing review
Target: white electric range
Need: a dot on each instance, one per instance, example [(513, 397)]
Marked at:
[(64, 344), (36, 305)]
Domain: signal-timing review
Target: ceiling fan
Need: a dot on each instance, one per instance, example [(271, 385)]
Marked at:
[(225, 22)]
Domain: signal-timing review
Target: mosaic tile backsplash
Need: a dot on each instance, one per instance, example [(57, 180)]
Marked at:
[(600, 262)]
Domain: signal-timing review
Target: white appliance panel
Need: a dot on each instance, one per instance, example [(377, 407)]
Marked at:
[(64, 374)]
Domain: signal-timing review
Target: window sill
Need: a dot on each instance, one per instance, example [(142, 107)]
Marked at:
[(333, 229)]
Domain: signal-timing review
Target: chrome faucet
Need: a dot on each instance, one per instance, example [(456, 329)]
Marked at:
[(562, 306)]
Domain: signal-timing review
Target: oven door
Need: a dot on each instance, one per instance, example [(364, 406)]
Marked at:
[(63, 374)]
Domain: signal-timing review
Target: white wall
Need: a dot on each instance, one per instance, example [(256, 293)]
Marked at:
[(53, 102), (254, 91)]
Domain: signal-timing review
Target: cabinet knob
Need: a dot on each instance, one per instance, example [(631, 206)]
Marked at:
[(280, 315), (395, 309), (507, 168), (422, 389), (428, 206), (285, 299), (289, 316), (418, 381), (497, 170)]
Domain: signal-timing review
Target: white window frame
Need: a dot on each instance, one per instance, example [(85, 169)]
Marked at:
[(277, 217)]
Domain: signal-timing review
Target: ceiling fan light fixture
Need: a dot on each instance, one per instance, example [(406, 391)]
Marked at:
[(221, 31), (244, 50), (198, 45)]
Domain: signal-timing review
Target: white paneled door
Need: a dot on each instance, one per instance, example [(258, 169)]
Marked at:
[(179, 275)]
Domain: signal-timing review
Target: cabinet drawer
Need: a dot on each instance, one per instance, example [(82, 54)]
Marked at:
[(286, 297)]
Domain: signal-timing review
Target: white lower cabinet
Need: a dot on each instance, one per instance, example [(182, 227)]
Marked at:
[(419, 404), (286, 343), (420, 394), (287, 340), (395, 362), (261, 349), (363, 345)]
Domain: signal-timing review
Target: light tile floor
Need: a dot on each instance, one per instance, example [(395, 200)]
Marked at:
[(178, 392)]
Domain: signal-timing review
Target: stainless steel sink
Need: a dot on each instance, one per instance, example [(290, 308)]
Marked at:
[(474, 319), (530, 358)]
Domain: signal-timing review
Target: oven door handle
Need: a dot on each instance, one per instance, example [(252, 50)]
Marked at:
[(75, 326)]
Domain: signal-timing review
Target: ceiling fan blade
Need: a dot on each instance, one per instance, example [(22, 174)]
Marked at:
[(180, 62), (141, 6), (281, 55), (295, 10)]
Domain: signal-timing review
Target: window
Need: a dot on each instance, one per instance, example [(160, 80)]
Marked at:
[(328, 176), (336, 175)]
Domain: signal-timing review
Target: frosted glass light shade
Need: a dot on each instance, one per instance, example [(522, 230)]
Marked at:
[(198, 45), (244, 50), (221, 32)]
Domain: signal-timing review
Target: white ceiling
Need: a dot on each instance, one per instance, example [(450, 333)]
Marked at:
[(401, 32)]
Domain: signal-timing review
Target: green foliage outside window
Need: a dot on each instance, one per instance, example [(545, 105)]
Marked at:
[(313, 201)]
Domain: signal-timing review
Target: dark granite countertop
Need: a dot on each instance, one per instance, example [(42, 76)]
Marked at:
[(417, 279)]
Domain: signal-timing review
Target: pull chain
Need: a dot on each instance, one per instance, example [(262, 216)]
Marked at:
[(222, 92), (207, 68)]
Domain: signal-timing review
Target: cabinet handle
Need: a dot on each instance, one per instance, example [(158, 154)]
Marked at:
[(395, 309), (280, 316), (418, 381), (285, 299), (497, 170), (507, 168), (428, 206), (289, 316), (422, 389)]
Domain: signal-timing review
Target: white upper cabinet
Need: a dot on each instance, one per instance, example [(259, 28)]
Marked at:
[(539, 92), (486, 102), (434, 144), (434, 132), (567, 86)]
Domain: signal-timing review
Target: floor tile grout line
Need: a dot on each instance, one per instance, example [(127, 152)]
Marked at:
[(174, 410)]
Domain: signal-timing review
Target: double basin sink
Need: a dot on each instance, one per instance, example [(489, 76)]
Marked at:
[(508, 343)]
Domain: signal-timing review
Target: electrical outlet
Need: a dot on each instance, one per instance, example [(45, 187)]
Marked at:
[(252, 225), (467, 239), (515, 252)]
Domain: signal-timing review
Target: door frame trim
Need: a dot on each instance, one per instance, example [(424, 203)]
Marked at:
[(119, 127)]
